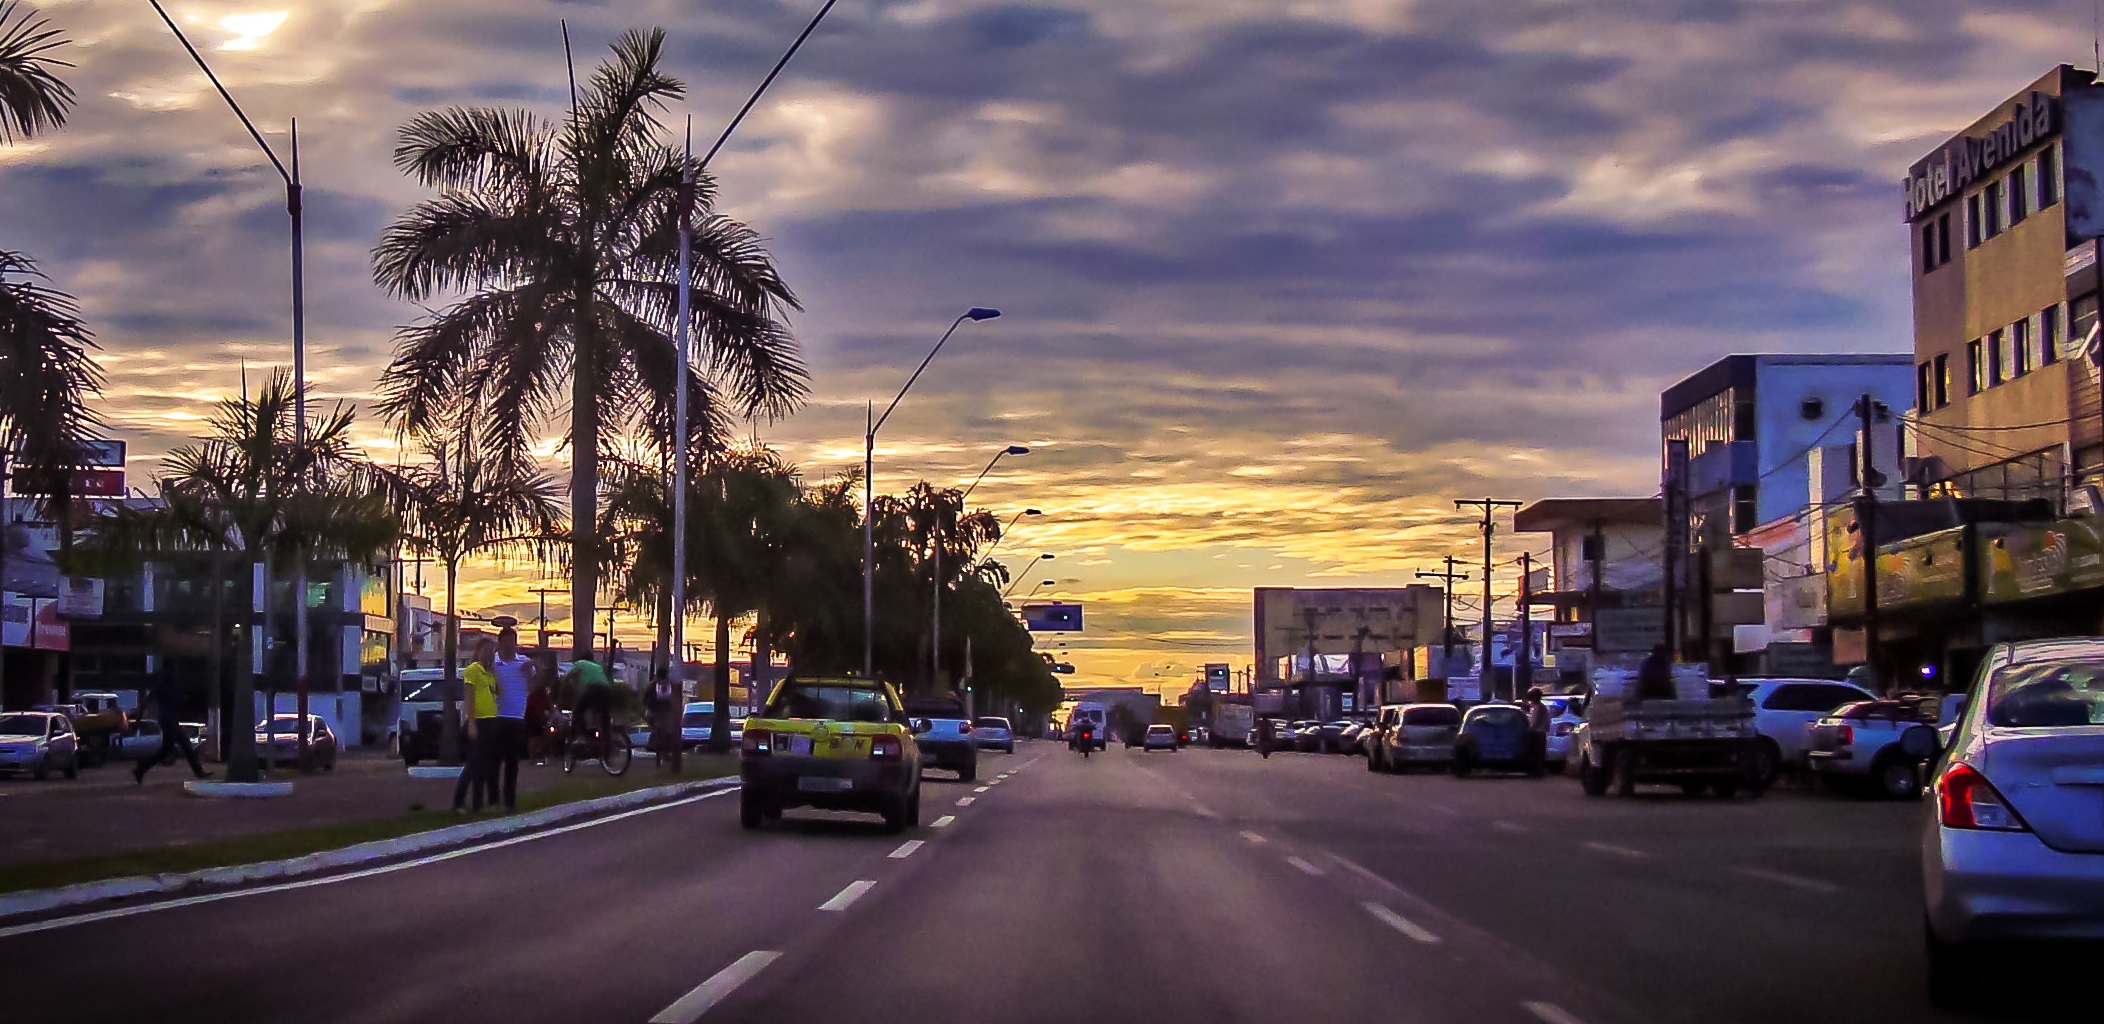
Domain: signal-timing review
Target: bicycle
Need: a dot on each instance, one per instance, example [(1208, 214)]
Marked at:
[(609, 746)]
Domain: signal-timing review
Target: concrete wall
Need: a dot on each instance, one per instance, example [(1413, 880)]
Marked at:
[(1784, 435)]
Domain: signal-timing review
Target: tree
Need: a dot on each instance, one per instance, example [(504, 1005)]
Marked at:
[(565, 239), (33, 99), (462, 503)]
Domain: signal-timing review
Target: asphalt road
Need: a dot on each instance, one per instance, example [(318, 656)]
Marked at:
[(1199, 886)]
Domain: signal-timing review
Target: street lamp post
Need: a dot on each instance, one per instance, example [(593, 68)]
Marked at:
[(1041, 584), (243, 766), (1019, 576), (869, 450), (935, 613)]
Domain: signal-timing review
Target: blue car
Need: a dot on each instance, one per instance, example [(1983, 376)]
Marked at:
[(1495, 736)]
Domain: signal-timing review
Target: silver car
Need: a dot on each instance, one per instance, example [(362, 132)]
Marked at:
[(37, 742), (2013, 846)]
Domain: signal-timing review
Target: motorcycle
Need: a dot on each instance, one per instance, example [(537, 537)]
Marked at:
[(1088, 742)]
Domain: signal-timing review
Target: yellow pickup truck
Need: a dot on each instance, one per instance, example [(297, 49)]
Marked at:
[(838, 744)]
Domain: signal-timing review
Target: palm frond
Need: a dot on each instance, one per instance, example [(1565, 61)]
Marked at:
[(33, 99), (47, 375)]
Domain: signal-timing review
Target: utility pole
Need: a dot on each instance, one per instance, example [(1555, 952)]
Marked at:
[(1523, 662), (1448, 578), (1867, 411), (1489, 526), (542, 593)]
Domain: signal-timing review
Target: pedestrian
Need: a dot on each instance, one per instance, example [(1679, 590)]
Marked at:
[(478, 773), (515, 677), (1654, 678), (173, 736), (669, 710), (1537, 727), (1264, 737)]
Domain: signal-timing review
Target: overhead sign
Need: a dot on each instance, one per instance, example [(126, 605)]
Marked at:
[(1052, 617), (103, 453), (87, 483), (2039, 561), (1216, 677), (1628, 629)]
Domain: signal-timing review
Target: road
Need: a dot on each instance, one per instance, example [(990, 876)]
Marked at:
[(1197, 886)]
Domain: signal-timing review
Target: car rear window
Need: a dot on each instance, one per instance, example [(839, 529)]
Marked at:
[(1501, 716), (935, 707), (830, 702), (1431, 716), (698, 720), (991, 723), (2047, 695)]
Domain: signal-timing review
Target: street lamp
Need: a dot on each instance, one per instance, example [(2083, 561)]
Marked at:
[(869, 454), (1041, 584), (935, 578), (1019, 576), (243, 768), (1004, 531)]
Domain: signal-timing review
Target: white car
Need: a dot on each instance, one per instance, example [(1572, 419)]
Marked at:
[(2012, 848), (1159, 737), (1566, 714), (697, 722), (1784, 710), (992, 732), (37, 742)]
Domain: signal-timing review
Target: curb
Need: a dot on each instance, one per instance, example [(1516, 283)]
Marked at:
[(236, 790), (437, 771), (37, 901)]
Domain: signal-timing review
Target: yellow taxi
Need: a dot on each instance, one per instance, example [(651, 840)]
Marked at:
[(838, 744)]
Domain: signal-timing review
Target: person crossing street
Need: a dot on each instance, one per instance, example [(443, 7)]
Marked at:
[(167, 712)]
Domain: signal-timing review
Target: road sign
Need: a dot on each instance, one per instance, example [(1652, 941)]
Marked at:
[(1216, 677), (1052, 617), (1628, 629)]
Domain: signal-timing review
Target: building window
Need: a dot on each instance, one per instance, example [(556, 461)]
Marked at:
[(1976, 366), (1943, 239), (2049, 176), (1997, 357), (1743, 420), (1745, 509), (1928, 247), (1922, 393), (2019, 196), (1942, 380), (1972, 221), (2050, 336), (2020, 362), (2081, 319), (1996, 206)]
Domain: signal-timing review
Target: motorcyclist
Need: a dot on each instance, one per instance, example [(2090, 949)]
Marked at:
[(1264, 737), (1088, 737)]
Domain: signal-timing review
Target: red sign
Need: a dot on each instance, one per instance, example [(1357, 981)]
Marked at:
[(87, 483), (50, 633)]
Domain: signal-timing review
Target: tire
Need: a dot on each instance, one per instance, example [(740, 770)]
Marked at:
[(1009, 749), (1767, 763), (1727, 789), (895, 816), (1896, 777), (751, 809), (73, 766), (618, 755), (43, 769), (970, 771), (1694, 789), (330, 764), (1462, 766), (1591, 778), (1625, 772)]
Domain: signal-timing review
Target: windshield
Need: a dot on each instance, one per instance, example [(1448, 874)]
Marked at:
[(699, 720), (289, 725), (990, 723), (1499, 716), (830, 702), (2047, 695), (21, 725)]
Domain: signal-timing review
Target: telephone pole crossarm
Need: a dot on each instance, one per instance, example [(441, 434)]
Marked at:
[(1490, 506)]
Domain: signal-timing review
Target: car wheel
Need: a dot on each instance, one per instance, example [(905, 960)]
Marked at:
[(1591, 777), (895, 815), (73, 767), (969, 772), (1767, 763), (750, 809), (43, 769), (1625, 773), (330, 764), (1462, 765), (1009, 749), (1726, 788), (1897, 778)]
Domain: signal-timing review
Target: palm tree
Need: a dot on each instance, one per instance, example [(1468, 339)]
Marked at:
[(462, 503), (32, 99), (744, 498), (564, 238)]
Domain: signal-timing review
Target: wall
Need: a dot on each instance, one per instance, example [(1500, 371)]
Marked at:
[(1785, 436), (1631, 560)]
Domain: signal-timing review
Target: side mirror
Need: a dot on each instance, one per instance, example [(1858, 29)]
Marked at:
[(1920, 743)]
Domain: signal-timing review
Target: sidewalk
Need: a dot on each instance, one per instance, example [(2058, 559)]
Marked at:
[(104, 815)]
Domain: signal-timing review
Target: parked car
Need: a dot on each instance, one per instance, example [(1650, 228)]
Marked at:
[(37, 742), (418, 731), (2012, 847), (992, 732), (1329, 736), (1159, 737), (697, 722), (1307, 736), (1284, 735), (1351, 740), (1857, 749), (1415, 735), (1495, 736), (278, 741), (1784, 708), (1566, 714)]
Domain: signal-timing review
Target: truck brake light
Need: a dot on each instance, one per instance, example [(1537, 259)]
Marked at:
[(1845, 734)]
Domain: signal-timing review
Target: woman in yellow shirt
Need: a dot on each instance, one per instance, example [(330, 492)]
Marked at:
[(479, 681)]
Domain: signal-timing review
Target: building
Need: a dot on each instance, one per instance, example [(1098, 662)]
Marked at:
[(1325, 652), (1603, 591)]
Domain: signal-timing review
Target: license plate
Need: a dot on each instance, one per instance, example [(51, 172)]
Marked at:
[(821, 784), (799, 744)]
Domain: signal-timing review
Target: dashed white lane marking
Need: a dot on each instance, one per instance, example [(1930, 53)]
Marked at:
[(691, 1006), (944, 821), (1203, 811), (1794, 881), (965, 801), (1619, 851), (1442, 809), (982, 789), (1400, 923), (1365, 872), (1254, 838), (995, 782), (846, 898), (188, 901), (906, 849), (1550, 1013), (1508, 826), (1305, 867)]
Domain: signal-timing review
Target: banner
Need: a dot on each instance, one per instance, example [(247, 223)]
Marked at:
[(2024, 562)]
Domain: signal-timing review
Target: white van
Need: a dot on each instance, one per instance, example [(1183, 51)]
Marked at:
[(1093, 714)]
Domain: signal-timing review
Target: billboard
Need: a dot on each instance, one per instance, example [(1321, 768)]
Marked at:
[(1052, 617), (1216, 677)]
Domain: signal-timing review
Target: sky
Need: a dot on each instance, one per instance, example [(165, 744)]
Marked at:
[(1281, 278)]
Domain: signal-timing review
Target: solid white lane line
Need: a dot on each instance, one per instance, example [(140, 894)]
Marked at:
[(1254, 838), (1400, 923), (1794, 881), (1619, 851), (188, 901), (691, 1006), (847, 897), (965, 801), (1305, 867), (944, 821), (981, 789), (1365, 872), (1508, 826), (1550, 1013), (906, 849)]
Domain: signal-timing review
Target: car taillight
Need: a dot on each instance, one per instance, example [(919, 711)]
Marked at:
[(1845, 734), (758, 741), (1965, 799), (886, 748), (964, 727)]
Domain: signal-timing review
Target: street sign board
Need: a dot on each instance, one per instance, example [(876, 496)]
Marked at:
[(1628, 629), (1052, 617), (80, 597), (1216, 677)]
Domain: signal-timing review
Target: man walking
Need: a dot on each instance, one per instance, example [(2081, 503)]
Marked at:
[(172, 734), (507, 734)]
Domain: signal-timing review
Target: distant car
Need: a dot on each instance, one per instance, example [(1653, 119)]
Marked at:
[(278, 742), (992, 732), (697, 722), (1307, 736), (1159, 737), (2012, 847), (1784, 708), (1495, 736), (1414, 735), (37, 742), (1329, 736), (1566, 714), (1284, 735)]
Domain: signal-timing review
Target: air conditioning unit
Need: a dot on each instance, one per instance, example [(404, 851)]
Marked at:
[(1924, 470)]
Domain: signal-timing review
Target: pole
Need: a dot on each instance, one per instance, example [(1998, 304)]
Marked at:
[(1523, 663), (1486, 672), (1594, 586), (1447, 579), (935, 616), (293, 206), (542, 593), (679, 414), (869, 642), (1866, 524)]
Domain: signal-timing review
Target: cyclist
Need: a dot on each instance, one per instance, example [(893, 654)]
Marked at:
[(595, 693)]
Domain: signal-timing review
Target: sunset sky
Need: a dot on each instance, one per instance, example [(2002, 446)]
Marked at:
[(1282, 278)]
